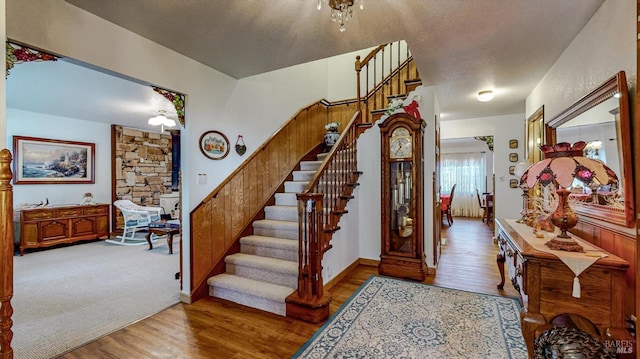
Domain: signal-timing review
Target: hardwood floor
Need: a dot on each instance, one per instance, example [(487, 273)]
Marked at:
[(214, 328)]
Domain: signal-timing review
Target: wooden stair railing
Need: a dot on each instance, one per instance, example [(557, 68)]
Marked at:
[(6, 255), (319, 209), (226, 214), (388, 70)]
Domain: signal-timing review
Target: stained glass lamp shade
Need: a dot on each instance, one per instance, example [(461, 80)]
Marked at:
[(562, 164)]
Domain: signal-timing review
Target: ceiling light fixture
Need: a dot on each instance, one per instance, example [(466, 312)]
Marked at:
[(162, 121), (341, 10), (485, 96)]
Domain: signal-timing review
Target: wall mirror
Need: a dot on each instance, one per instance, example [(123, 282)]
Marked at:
[(601, 118)]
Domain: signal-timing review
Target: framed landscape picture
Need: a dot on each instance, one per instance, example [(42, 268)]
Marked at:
[(46, 161)]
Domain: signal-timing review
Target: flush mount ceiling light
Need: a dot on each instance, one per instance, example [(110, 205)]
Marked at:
[(485, 96), (162, 121), (341, 10)]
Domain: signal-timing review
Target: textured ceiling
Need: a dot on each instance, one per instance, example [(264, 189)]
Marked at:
[(460, 46)]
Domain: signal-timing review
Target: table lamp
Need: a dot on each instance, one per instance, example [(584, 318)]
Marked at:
[(562, 164)]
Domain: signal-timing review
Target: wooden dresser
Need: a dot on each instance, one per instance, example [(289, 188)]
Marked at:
[(545, 283), (49, 226)]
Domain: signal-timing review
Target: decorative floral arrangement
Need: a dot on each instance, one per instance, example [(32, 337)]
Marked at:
[(394, 106), (333, 126)]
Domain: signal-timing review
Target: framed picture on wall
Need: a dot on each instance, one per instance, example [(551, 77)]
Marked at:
[(47, 161), (513, 183), (513, 143), (214, 145), (513, 157), (512, 170)]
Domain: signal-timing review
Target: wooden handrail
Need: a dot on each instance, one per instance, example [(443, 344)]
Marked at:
[(6, 255), (395, 69), (226, 214), (319, 208)]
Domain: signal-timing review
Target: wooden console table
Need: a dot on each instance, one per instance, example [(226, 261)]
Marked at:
[(545, 283), (49, 226)]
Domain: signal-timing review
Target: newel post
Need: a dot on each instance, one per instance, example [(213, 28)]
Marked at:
[(6, 255), (309, 302)]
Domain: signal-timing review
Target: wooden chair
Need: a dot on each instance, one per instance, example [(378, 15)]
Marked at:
[(486, 205), (445, 206)]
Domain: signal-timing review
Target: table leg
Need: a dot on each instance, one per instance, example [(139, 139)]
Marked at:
[(170, 242), (500, 261), (149, 240)]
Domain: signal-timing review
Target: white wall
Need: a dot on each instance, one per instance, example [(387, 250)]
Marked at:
[(253, 107), (31, 124), (606, 45), (508, 202)]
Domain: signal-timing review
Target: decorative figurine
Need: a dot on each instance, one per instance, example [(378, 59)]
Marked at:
[(87, 199)]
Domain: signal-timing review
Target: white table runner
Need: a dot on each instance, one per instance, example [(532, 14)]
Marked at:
[(576, 261)]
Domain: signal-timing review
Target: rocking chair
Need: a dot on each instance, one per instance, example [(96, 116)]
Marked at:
[(135, 217)]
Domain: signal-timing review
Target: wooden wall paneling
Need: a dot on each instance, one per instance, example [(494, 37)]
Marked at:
[(626, 247), (201, 260), (217, 243), (607, 239), (263, 159), (255, 195), (240, 204), (227, 214), (281, 151), (300, 128)]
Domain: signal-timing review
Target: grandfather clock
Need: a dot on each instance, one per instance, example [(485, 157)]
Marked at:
[(402, 197)]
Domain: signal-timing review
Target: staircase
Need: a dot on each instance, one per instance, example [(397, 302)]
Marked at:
[(275, 264), (265, 271)]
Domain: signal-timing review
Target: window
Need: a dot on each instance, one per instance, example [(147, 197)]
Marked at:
[(468, 171)]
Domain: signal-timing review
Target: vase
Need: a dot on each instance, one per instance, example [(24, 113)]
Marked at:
[(330, 138)]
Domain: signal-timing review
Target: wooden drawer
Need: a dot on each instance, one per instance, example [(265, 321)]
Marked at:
[(37, 214), (69, 212), (96, 210)]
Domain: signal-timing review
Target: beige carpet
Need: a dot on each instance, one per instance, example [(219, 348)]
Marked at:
[(66, 297)]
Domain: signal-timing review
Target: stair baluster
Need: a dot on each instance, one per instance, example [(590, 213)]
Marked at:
[(320, 208), (397, 68)]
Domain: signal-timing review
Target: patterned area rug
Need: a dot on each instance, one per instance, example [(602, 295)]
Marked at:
[(389, 318)]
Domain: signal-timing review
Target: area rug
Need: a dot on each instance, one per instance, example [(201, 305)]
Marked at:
[(389, 318), (66, 297)]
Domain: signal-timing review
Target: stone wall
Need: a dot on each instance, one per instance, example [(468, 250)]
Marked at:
[(142, 165)]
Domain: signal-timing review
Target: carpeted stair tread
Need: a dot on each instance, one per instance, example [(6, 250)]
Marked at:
[(276, 224), (281, 213), (271, 242), (286, 199), (256, 288), (264, 263), (295, 186), (310, 165), (267, 246), (303, 175)]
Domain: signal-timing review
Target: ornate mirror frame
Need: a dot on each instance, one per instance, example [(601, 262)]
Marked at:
[(613, 86)]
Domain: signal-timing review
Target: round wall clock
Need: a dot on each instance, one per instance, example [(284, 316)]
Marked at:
[(214, 145)]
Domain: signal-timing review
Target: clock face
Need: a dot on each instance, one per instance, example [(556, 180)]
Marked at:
[(400, 147)]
